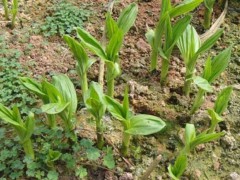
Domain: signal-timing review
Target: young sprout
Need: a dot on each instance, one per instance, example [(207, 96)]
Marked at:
[(14, 12), (52, 156), (24, 129), (191, 141), (140, 124), (155, 37), (96, 106), (83, 62), (115, 34), (212, 70), (191, 47), (58, 98), (208, 13), (5, 5), (219, 106)]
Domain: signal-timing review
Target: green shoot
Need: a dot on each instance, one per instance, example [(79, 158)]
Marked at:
[(52, 156), (96, 106), (155, 40), (140, 124), (213, 68), (5, 5), (115, 33), (14, 12), (208, 13), (191, 141), (24, 129), (191, 47), (83, 62)]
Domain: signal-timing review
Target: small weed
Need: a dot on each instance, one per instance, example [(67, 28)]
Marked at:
[(64, 18)]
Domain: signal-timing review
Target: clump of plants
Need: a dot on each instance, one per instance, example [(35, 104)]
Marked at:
[(64, 18), (13, 11)]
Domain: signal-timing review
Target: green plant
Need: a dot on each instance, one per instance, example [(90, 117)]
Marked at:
[(208, 13), (83, 62), (58, 98), (65, 16), (52, 156), (219, 106), (140, 124), (212, 70), (115, 33), (191, 141), (96, 106), (191, 47), (14, 12), (155, 36), (5, 5), (23, 129)]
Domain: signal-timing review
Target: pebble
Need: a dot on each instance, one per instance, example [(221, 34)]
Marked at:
[(228, 141), (235, 176)]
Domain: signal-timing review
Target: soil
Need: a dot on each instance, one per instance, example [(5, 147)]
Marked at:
[(217, 160)]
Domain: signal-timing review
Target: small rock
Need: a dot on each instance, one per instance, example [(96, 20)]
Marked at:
[(228, 141), (197, 174), (235, 176), (236, 86), (143, 46), (126, 176)]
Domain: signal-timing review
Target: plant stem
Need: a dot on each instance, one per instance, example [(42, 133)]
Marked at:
[(14, 12), (52, 121), (99, 128), (187, 83), (154, 58), (164, 72), (125, 144), (5, 5), (28, 148), (207, 18), (198, 101), (110, 82), (84, 84)]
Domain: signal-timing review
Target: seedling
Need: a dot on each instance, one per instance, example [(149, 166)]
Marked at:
[(191, 141), (96, 106), (208, 13), (24, 129), (219, 106), (155, 37), (83, 62), (140, 124), (115, 33), (213, 68), (191, 47), (52, 156), (58, 98)]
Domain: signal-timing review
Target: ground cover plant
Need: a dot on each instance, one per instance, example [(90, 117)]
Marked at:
[(58, 122)]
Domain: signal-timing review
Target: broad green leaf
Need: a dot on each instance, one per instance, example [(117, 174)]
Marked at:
[(29, 125), (6, 115), (219, 64), (204, 138), (66, 88), (207, 69), (89, 41), (127, 17), (93, 154), (114, 46), (79, 54), (115, 108), (190, 134), (222, 100), (54, 108), (202, 83), (184, 8), (81, 172), (179, 167), (52, 92), (108, 161), (33, 86), (111, 26), (209, 42), (143, 124)]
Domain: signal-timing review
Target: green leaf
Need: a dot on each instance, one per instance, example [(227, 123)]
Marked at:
[(52, 175), (209, 4), (143, 124), (127, 17), (184, 8), (7, 115), (215, 118), (111, 26), (222, 100), (126, 103), (207, 72), (202, 83), (54, 108), (179, 167), (29, 125), (53, 155), (114, 45), (114, 68), (219, 64), (93, 154), (81, 172), (190, 134), (86, 143), (52, 92), (108, 161), (89, 41), (150, 35), (209, 42)]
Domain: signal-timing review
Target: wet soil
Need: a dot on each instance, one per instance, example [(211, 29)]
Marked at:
[(217, 160)]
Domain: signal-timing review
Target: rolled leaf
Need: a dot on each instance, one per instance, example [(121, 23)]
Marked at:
[(222, 100), (111, 26), (7, 115), (179, 167), (29, 125), (190, 134)]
